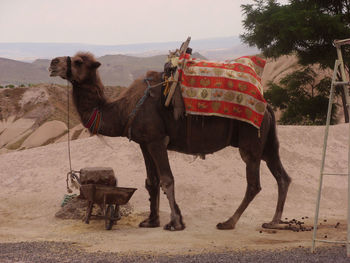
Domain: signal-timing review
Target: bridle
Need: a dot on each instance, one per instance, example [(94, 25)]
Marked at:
[(69, 68), (69, 71)]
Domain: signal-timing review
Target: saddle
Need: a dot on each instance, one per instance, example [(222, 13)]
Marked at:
[(230, 89)]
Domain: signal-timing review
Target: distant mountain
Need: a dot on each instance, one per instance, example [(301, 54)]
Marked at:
[(121, 64), (32, 51), (17, 72), (43, 63), (116, 70), (122, 70), (229, 53)]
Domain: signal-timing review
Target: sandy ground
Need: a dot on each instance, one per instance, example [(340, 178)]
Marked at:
[(207, 191)]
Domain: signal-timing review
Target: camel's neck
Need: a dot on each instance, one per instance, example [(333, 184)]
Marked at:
[(90, 96)]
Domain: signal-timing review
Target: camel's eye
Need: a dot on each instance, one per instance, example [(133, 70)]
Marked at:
[(55, 61), (78, 62)]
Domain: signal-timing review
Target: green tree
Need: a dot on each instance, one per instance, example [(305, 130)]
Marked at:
[(306, 28), (300, 99)]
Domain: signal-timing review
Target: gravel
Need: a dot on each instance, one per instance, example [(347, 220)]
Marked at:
[(30, 252)]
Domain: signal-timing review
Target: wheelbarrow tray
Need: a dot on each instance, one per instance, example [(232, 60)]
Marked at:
[(103, 194)]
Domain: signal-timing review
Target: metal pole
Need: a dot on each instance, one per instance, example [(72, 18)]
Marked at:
[(348, 234), (342, 71), (346, 91), (330, 102)]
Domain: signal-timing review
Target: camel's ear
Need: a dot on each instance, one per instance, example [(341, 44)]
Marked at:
[(78, 62), (95, 64)]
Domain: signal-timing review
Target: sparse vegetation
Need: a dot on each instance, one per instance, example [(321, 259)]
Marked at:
[(301, 100)]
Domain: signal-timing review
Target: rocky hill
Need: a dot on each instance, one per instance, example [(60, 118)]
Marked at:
[(37, 115)]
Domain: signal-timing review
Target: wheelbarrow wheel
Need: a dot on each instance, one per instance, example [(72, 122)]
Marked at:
[(109, 217)]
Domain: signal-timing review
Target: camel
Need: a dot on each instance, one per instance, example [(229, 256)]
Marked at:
[(155, 129)]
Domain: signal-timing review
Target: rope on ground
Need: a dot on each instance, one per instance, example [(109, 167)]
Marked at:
[(67, 198)]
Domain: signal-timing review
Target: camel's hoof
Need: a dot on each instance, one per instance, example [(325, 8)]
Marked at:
[(174, 227), (225, 226), (150, 223)]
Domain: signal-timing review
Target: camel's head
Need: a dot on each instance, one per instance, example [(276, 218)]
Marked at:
[(77, 69)]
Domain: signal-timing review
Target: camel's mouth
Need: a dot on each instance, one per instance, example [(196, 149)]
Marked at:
[(53, 72)]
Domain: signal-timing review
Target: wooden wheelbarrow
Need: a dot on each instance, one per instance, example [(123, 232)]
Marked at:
[(110, 197)]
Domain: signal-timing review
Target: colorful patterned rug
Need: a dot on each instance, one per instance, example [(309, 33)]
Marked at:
[(230, 89)]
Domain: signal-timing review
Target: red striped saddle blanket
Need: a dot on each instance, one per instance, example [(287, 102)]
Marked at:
[(230, 89)]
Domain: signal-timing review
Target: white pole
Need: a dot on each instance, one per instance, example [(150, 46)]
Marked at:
[(330, 102), (346, 91)]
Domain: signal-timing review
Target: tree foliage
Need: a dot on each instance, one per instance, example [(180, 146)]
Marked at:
[(300, 99), (306, 28)]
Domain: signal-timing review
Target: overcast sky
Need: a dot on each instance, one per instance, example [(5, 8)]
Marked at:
[(113, 22)]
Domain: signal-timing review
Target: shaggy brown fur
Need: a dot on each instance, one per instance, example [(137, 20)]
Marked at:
[(156, 131)]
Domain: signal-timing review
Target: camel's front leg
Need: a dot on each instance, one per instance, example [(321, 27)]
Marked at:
[(152, 186), (159, 155)]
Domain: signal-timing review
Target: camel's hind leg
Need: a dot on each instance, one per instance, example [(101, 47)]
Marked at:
[(253, 188), (283, 181), (273, 161)]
